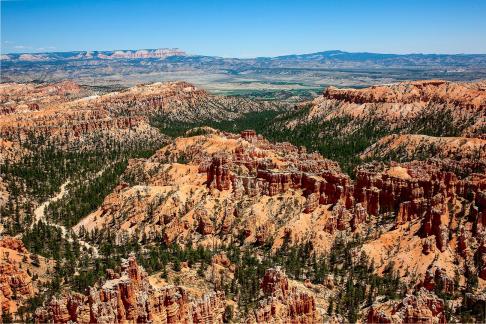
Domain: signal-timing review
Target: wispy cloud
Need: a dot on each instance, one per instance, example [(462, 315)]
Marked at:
[(15, 47), (47, 48), (21, 47)]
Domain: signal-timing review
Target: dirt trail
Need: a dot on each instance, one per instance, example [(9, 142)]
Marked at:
[(39, 212), (40, 215)]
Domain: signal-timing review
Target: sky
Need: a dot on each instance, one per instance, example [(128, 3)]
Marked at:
[(245, 28)]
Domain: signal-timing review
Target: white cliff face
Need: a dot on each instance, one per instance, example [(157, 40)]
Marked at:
[(118, 54)]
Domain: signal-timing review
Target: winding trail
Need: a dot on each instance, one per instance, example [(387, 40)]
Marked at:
[(40, 212), (40, 215)]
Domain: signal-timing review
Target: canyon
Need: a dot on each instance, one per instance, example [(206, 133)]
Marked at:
[(179, 205), (245, 187)]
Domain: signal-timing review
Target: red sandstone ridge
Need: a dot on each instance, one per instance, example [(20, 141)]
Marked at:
[(412, 146), (407, 107), (283, 304), (67, 116), (318, 178), (64, 114), (21, 98), (128, 297), (437, 91)]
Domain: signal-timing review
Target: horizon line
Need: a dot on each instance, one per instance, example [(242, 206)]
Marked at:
[(248, 57)]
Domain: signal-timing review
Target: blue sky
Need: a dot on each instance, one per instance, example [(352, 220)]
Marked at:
[(238, 28)]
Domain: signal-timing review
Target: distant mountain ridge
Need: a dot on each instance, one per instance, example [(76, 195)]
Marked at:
[(317, 59), (367, 55), (160, 53), (302, 74)]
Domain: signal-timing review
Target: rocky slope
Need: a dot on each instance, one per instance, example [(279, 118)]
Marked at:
[(423, 308), (409, 106), (283, 304), (67, 116), (436, 235), (64, 115), (437, 107), (219, 187), (19, 98), (408, 147), (395, 241), (21, 277), (128, 296), (132, 296), (66, 121)]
